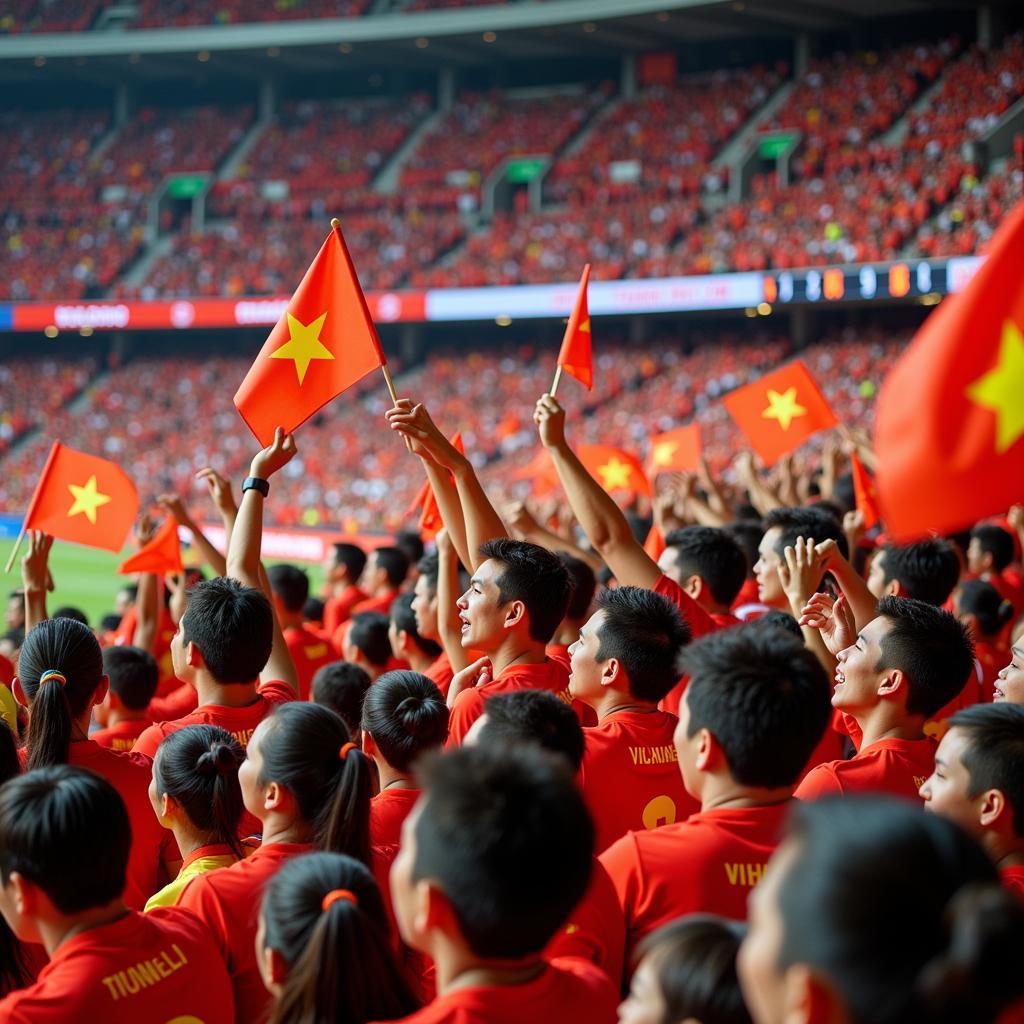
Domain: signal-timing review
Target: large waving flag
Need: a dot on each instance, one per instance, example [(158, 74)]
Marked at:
[(614, 469), (576, 355), (675, 451), (949, 431), (161, 555), (324, 343)]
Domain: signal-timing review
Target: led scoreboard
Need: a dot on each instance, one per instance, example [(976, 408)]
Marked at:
[(866, 283)]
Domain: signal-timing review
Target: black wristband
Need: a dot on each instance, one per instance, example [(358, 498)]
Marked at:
[(255, 483)]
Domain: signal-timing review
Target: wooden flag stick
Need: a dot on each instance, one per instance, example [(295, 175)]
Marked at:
[(390, 383), (554, 383), (14, 550)]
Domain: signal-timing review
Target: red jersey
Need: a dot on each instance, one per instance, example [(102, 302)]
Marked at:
[(566, 990), (630, 775), (705, 865), (310, 652), (1013, 879), (120, 737), (388, 809), (160, 966), (177, 704), (893, 766), (441, 673), (339, 609), (381, 603), (228, 901)]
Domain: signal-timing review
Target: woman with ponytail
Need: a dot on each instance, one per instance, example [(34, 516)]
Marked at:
[(60, 678), (983, 610), (873, 912), (195, 793), (326, 909), (309, 786)]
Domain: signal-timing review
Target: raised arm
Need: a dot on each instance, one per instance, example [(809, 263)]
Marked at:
[(176, 507), (861, 602), (449, 625), (762, 497), (223, 500), (523, 521), (35, 577)]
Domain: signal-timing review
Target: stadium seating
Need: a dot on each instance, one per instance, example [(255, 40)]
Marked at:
[(36, 388)]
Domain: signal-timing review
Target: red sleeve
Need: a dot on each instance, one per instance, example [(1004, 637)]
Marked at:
[(699, 621), (177, 704), (819, 782), (126, 629), (621, 861), (277, 691), (468, 707), (199, 899), (147, 743)]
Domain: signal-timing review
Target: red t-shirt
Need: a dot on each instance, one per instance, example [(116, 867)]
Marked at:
[(177, 704), (893, 766), (706, 864), (120, 737), (388, 809), (382, 603), (339, 609), (310, 652), (228, 901), (566, 990), (630, 775), (1013, 879), (441, 673), (160, 966)]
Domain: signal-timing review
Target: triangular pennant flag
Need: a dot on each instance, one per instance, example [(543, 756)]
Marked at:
[(430, 523), (161, 555), (576, 355), (614, 469), (675, 451), (655, 543), (324, 343), (865, 492)]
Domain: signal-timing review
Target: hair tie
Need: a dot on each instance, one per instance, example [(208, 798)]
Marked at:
[(52, 673), (338, 894), (345, 748)]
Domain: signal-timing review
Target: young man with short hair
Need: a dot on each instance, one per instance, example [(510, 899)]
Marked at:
[(366, 643), (924, 571), (341, 686), (407, 644), (382, 579), (709, 565), (133, 676), (344, 567)]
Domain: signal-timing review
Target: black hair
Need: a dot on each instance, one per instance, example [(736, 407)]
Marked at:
[(534, 718), (341, 686), (995, 541), (428, 568), (844, 493), (68, 611), (796, 522), (763, 696), (712, 555), (233, 627), (932, 647), (404, 619), (66, 830), (994, 757), (644, 632), (986, 604), (926, 570), (505, 834), (70, 650), (778, 619), (131, 589), (535, 576), (313, 610), (406, 715), (395, 563), (369, 634), (133, 675), (583, 583), (747, 533), (694, 962), (198, 767), (341, 965), (14, 971), (110, 622), (301, 750), (352, 557), (902, 911), (410, 543), (290, 584)]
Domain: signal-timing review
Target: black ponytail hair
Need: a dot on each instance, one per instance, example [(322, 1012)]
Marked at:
[(406, 715), (14, 972), (59, 668), (341, 966), (986, 604), (307, 749), (198, 767)]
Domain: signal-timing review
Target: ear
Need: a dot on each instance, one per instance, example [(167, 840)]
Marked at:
[(708, 750), (194, 656), (992, 805), (808, 999), (893, 684), (515, 613), (894, 589), (168, 806), (369, 746), (434, 911), (613, 673), (102, 689), (25, 894), (403, 640), (275, 797), (694, 586), (19, 693)]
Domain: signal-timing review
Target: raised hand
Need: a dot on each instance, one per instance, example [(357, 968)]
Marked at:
[(277, 454), (423, 435), (832, 619), (176, 507), (520, 518), (550, 419), (802, 570), (35, 563), (178, 602), (220, 490)]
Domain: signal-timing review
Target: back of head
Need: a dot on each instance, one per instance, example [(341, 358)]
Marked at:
[(583, 583), (406, 715), (901, 910), (747, 533), (352, 557), (533, 718), (395, 563), (66, 830), (926, 570), (133, 675), (369, 635), (535, 576), (776, 619), (712, 555), (233, 627), (59, 669), (505, 834), (795, 522), (410, 543), (931, 647), (341, 686), (645, 633), (995, 541), (403, 618), (290, 585), (325, 909), (980, 599), (763, 696), (68, 611)]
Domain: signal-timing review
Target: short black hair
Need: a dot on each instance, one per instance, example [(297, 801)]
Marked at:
[(994, 756), (995, 541), (66, 830), (990, 610), (110, 622), (406, 715), (313, 610), (133, 675), (778, 619), (535, 576), (534, 717), (747, 533), (404, 619), (644, 632), (290, 584), (395, 563), (932, 647), (583, 583), (341, 686), (927, 570), (352, 557), (763, 696), (795, 522), (69, 611), (712, 555), (506, 835), (411, 544), (233, 627), (428, 567), (369, 634)]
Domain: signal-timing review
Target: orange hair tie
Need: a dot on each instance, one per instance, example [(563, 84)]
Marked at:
[(345, 748), (338, 894), (51, 674)]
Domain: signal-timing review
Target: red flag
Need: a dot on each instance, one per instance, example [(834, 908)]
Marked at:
[(780, 410), (614, 469), (675, 451), (949, 429), (324, 343), (162, 554), (84, 499), (655, 543), (575, 356), (430, 518), (865, 492), (541, 471)]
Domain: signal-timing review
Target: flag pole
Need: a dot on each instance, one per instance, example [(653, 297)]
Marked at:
[(14, 551), (32, 504), (554, 383)]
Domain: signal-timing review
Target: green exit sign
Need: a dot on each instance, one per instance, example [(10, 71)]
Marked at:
[(186, 186), (525, 170), (773, 146)]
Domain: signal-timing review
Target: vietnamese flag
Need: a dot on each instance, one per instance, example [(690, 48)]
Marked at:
[(324, 343), (161, 555), (614, 469), (780, 410), (949, 429), (675, 451), (84, 499), (430, 518), (575, 356), (865, 492)]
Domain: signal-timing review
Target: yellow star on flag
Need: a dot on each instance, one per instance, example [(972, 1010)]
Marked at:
[(87, 500), (784, 408), (585, 327), (615, 474), (303, 344), (663, 452), (1002, 389)]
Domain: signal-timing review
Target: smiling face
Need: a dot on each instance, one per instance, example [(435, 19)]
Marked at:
[(857, 676), (1010, 681), (766, 571), (483, 617)]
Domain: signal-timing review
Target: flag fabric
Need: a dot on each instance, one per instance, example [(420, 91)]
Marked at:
[(675, 451), (541, 472), (323, 344), (614, 469), (780, 410), (430, 522), (161, 555), (949, 428), (654, 545), (576, 356), (84, 499), (865, 492)]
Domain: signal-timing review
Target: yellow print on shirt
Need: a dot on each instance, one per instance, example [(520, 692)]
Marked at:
[(744, 874), (654, 755), (242, 737), (145, 973)]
